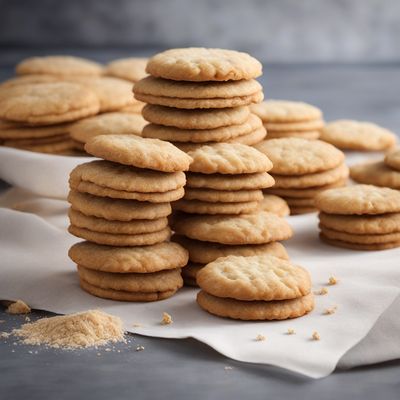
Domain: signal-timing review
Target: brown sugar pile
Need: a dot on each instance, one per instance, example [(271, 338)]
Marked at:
[(85, 329)]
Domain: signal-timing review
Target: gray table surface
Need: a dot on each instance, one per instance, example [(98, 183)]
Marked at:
[(180, 369)]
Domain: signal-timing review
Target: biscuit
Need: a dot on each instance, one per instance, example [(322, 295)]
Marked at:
[(202, 135), (142, 259), (107, 124), (138, 152), (300, 202), (224, 196), (134, 108), (59, 66), (251, 138), (115, 209), (257, 228), (305, 126), (312, 135), (125, 178), (355, 135), (12, 131), (131, 69), (392, 160), (50, 148), (206, 252), (113, 239), (360, 246), (195, 119), (47, 103), (375, 173), (228, 158), (200, 64), (296, 156), (359, 199), (261, 277), (27, 79), (256, 310), (205, 207), (298, 210), (274, 204), (121, 295), (37, 141)]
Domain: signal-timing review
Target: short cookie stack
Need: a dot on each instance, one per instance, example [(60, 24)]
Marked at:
[(200, 96), (260, 287), (360, 217), (284, 119), (120, 206), (303, 168)]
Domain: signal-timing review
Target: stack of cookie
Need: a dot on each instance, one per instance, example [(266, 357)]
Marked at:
[(200, 96), (302, 168), (284, 119), (361, 217), (380, 173), (260, 287), (120, 204)]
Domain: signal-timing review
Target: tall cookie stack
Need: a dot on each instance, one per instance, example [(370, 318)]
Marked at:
[(360, 217), (283, 119), (120, 206), (302, 168)]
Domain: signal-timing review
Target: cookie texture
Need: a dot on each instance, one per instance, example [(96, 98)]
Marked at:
[(275, 205), (305, 126), (13, 131), (131, 69), (227, 196), (251, 138), (376, 173), (205, 207), (392, 160), (360, 246), (202, 64)]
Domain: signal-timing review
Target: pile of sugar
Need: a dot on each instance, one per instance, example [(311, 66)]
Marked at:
[(85, 329)]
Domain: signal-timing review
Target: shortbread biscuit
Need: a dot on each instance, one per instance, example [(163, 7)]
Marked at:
[(205, 207), (113, 239), (228, 158), (121, 295), (376, 173), (359, 199), (295, 156), (392, 160), (355, 135), (195, 119), (300, 202), (251, 138), (138, 152), (131, 69), (115, 123), (50, 148), (360, 246), (115, 209), (13, 131), (305, 126), (141, 259), (201, 64), (312, 135), (47, 103), (28, 79), (134, 108), (274, 204), (256, 310), (298, 210), (257, 228), (125, 178), (224, 196), (37, 141)]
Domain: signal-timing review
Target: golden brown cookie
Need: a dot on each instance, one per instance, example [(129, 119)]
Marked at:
[(360, 246), (274, 204), (49, 148), (36, 141), (312, 135), (298, 210), (140, 259), (13, 131), (224, 196), (201, 64), (206, 207), (134, 108), (27, 79), (392, 160), (251, 138), (300, 202), (375, 173), (306, 126), (132, 69)]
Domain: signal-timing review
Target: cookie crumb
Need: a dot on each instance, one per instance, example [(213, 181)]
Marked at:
[(4, 335), (333, 280), (27, 319), (322, 292), (261, 338), (291, 331), (330, 310), (315, 336), (140, 348), (18, 307), (228, 368), (166, 319)]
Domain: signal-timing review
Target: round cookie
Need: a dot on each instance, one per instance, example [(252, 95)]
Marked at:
[(11, 131), (257, 228), (311, 135), (298, 210), (251, 138), (141, 259), (392, 160), (305, 126), (47, 103), (27, 79), (300, 202), (360, 246), (50, 148), (205, 207), (201, 64), (275, 205), (255, 310), (355, 135), (131, 69), (134, 108), (359, 199), (37, 141), (138, 152), (375, 173), (224, 196), (296, 156)]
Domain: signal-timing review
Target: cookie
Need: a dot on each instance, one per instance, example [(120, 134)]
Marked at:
[(251, 138), (134, 108), (36, 141), (298, 210), (359, 199), (392, 160), (305, 126), (286, 111), (205, 207), (122, 240), (12, 131), (197, 95), (205, 252), (375, 173), (355, 135), (131, 69), (296, 156), (200, 64), (360, 246), (228, 158), (50, 148), (255, 310), (138, 152), (274, 204), (190, 271), (312, 135), (125, 178), (202, 135), (47, 103), (195, 119), (107, 124), (257, 228), (143, 259), (224, 196), (27, 79), (121, 295), (115, 209), (59, 66), (300, 202)]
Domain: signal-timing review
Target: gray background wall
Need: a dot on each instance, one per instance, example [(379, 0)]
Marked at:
[(273, 30)]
